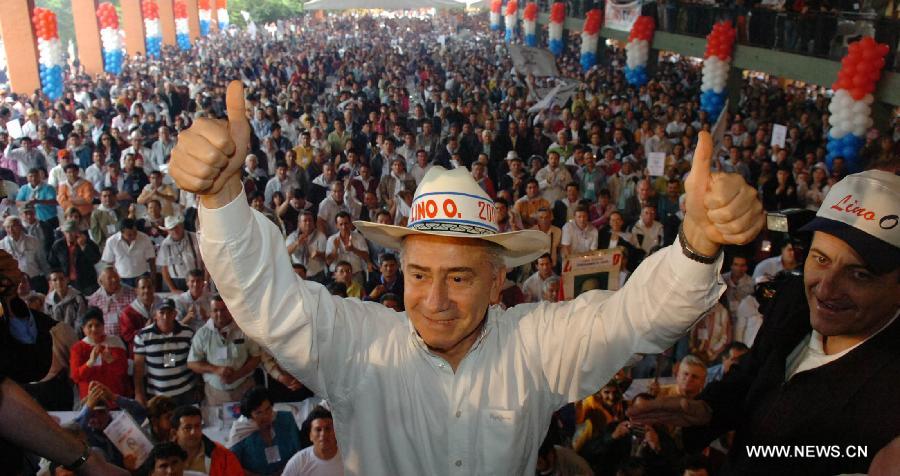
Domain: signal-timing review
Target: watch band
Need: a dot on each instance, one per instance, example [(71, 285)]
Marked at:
[(80, 461), (691, 253)]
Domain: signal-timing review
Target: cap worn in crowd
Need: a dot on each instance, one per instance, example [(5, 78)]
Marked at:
[(864, 211)]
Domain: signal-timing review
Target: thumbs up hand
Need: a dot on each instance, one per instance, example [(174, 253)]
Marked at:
[(208, 157), (721, 209)]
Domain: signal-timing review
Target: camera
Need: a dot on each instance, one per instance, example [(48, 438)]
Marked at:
[(784, 227)]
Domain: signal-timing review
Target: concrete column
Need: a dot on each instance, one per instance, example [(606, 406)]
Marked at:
[(131, 22), (20, 44), (87, 35), (193, 19), (167, 21)]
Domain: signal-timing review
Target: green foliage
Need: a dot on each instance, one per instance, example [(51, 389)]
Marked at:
[(263, 11)]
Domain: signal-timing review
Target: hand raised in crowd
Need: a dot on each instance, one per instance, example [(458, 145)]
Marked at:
[(208, 157), (676, 411), (721, 209)]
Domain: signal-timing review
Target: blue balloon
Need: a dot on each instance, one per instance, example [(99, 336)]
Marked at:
[(588, 60), (556, 47), (531, 40)]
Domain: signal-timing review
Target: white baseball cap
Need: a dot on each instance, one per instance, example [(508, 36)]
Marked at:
[(864, 210)]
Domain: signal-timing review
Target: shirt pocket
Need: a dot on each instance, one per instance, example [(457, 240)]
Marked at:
[(499, 442)]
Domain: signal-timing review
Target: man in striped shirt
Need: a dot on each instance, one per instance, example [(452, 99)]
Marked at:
[(160, 358)]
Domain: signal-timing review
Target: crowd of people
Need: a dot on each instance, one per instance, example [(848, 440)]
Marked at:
[(348, 114)]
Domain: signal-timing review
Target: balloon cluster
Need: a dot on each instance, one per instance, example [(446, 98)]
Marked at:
[(110, 38), (530, 23), (589, 37), (510, 20), (496, 6), (637, 50), (205, 14), (850, 108), (717, 61), (50, 52), (555, 29), (182, 30), (222, 14), (151, 27)]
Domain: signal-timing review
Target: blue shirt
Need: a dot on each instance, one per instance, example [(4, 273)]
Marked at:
[(42, 192), (251, 451)]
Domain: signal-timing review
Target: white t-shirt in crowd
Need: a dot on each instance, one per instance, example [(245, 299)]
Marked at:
[(306, 463)]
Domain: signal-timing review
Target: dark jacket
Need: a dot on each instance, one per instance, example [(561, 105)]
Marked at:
[(84, 263), (851, 401)]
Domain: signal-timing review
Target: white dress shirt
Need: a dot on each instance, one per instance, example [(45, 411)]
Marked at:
[(130, 260), (580, 240), (488, 417)]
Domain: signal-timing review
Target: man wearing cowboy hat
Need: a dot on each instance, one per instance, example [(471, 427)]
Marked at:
[(178, 255), (476, 384), (824, 368)]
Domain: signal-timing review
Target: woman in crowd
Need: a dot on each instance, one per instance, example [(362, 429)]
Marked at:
[(98, 357), (275, 439)]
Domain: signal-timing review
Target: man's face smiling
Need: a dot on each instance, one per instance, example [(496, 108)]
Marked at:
[(847, 302), (449, 284)]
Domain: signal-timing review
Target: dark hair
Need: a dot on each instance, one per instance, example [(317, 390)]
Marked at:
[(196, 273), (181, 412), (92, 313), (129, 224), (164, 450), (71, 166), (342, 214), (735, 345), (337, 289), (388, 257), (253, 399), (317, 413)]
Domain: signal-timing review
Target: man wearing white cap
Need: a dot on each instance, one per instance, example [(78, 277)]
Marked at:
[(825, 366), (178, 254), (464, 386)]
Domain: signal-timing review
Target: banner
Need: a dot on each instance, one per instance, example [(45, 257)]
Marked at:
[(536, 61), (559, 96), (621, 16), (597, 269)]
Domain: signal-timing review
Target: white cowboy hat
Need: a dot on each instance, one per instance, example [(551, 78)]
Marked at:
[(172, 221), (450, 203)]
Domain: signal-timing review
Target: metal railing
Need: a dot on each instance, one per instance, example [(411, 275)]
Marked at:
[(822, 34)]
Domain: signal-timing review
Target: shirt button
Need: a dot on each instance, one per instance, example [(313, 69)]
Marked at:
[(458, 413), (458, 462)]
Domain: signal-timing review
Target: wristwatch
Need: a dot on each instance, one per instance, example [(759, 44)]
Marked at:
[(80, 461), (691, 253)]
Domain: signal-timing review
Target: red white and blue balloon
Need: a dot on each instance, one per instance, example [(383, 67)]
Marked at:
[(529, 23), (555, 28), (50, 52), (589, 38), (716, 63), (151, 28), (205, 14), (222, 14), (110, 38), (496, 7), (850, 108), (182, 30), (637, 50), (511, 20)]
